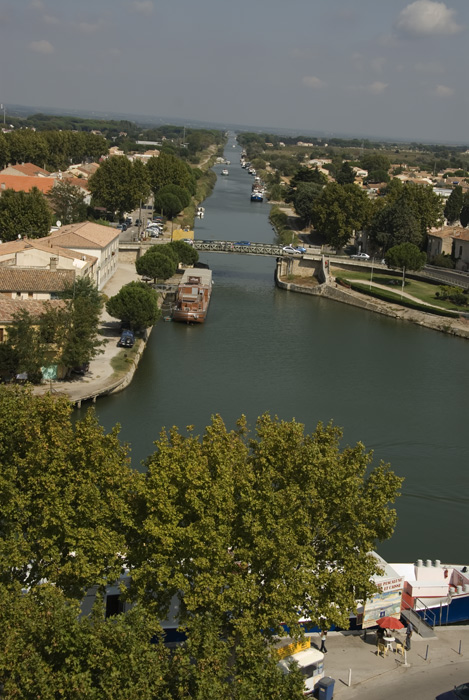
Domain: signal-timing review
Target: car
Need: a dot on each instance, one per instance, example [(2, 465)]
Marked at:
[(156, 226), (122, 227), (360, 256), (189, 241), (291, 250), (243, 243), (152, 233), (460, 692), (128, 221), (127, 339)]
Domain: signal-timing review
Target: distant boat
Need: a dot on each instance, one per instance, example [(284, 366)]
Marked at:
[(257, 197), (225, 172)]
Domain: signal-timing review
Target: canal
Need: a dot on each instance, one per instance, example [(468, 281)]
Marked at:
[(400, 389)]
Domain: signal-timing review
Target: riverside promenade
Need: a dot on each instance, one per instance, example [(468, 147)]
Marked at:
[(101, 379), (433, 665)]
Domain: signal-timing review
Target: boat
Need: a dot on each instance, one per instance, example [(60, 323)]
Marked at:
[(257, 196), (225, 172), (193, 296)]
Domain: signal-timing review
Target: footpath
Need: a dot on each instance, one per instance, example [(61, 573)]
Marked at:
[(100, 378), (433, 665)]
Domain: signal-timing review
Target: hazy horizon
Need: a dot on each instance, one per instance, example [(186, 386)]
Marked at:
[(396, 71)]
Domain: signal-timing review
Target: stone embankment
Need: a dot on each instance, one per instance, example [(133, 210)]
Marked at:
[(330, 290)]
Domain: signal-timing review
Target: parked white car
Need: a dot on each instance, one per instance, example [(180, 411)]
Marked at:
[(360, 256)]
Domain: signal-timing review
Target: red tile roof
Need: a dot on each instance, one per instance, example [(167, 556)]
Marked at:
[(9, 307), (30, 169), (24, 183), (15, 279)]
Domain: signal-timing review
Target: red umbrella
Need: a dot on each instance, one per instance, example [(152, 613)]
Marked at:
[(390, 623)]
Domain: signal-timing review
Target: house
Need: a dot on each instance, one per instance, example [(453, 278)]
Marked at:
[(28, 169), (84, 170), (25, 183), (42, 254), (461, 249), (10, 307), (34, 283), (440, 241), (92, 239)]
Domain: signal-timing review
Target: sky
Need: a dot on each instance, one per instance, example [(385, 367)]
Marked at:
[(371, 68)]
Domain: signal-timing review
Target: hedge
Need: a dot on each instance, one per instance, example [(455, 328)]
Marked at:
[(395, 299)]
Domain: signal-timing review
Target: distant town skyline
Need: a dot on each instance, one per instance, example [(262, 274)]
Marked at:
[(378, 70)]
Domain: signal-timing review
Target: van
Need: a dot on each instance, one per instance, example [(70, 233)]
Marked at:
[(310, 663)]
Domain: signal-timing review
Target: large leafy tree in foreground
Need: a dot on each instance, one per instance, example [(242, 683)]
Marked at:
[(24, 214), (63, 495), (119, 184), (339, 211), (248, 532)]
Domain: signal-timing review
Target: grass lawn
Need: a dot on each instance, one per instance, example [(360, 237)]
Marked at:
[(416, 288), (122, 362)]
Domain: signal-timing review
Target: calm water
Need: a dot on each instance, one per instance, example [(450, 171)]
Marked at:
[(398, 388)]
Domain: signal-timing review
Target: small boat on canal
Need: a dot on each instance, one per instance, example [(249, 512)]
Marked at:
[(193, 296)]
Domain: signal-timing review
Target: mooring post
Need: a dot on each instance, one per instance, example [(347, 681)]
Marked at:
[(349, 677), (426, 653)]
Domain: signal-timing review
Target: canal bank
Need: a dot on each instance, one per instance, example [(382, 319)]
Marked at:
[(324, 285)]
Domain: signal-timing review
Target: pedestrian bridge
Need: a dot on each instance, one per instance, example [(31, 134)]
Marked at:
[(250, 248)]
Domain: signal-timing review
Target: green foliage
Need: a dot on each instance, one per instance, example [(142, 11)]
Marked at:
[(25, 214), (346, 174), (68, 202), (454, 294), (157, 265), (395, 224), (136, 305), (180, 192), (339, 211), (406, 255), (443, 260), (375, 161), (304, 198), (186, 254), (119, 185), (377, 176), (4, 151), (254, 530), (167, 169), (454, 204), (168, 204), (63, 495), (26, 347)]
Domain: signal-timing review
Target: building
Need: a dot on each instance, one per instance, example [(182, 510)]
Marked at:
[(461, 249), (28, 169), (10, 307), (42, 254), (34, 283), (25, 183), (440, 242), (91, 239)]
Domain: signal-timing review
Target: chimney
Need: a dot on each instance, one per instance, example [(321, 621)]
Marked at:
[(53, 263)]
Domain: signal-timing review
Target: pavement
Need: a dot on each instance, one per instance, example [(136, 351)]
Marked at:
[(100, 376), (432, 666)]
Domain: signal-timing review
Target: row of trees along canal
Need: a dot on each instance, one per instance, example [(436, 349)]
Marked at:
[(246, 531)]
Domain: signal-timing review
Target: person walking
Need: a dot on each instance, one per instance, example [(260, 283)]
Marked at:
[(408, 635), (323, 641)]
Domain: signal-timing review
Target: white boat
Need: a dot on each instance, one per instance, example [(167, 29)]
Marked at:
[(225, 172)]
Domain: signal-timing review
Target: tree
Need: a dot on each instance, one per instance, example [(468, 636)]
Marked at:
[(167, 169), (26, 346), (396, 224), (186, 254), (4, 151), (249, 532), (426, 206), (406, 256), (63, 495), (339, 211), (168, 204), (180, 192), (375, 161), (119, 184), (49, 651), (136, 305), (375, 176), (346, 175), (156, 265), (304, 198), (68, 202), (24, 214), (454, 205)]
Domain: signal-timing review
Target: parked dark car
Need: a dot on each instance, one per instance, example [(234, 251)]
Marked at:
[(459, 692), (127, 339)]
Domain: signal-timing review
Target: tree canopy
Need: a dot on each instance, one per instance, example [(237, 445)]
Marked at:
[(406, 255), (454, 204), (67, 200), (119, 185), (339, 211), (136, 305), (25, 214)]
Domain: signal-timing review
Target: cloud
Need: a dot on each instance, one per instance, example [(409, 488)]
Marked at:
[(42, 46), (377, 64), (36, 4), (88, 28), (145, 7), (443, 91), (51, 19), (425, 17), (376, 88), (312, 82), (431, 67)]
